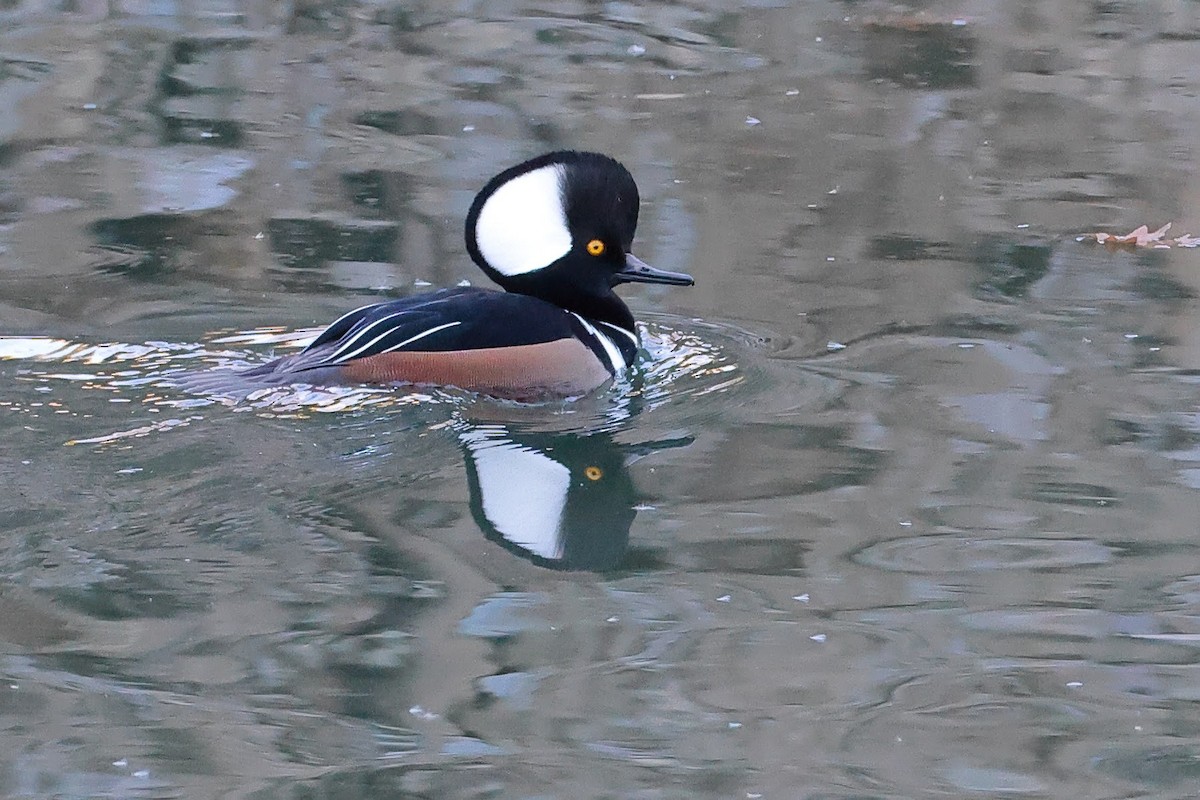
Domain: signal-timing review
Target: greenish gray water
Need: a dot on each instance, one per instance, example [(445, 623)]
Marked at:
[(902, 502)]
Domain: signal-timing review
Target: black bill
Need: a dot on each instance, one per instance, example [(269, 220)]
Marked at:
[(638, 271)]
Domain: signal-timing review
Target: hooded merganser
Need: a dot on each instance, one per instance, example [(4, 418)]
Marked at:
[(554, 232)]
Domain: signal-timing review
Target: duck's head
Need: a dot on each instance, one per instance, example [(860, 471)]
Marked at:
[(559, 227)]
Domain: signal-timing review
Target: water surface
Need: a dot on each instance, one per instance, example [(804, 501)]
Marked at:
[(901, 502)]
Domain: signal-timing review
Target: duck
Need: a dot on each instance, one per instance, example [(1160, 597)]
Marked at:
[(555, 234)]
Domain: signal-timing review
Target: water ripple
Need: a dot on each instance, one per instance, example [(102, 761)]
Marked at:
[(939, 554), (684, 363)]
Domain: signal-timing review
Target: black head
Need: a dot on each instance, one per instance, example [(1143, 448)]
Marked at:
[(560, 227)]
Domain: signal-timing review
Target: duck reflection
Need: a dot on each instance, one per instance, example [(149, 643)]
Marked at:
[(561, 500)]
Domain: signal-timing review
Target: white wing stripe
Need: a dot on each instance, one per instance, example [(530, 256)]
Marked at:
[(615, 359), (341, 352), (345, 353), (421, 335), (347, 315)]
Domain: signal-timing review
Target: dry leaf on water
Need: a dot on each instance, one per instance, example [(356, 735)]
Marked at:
[(1142, 236)]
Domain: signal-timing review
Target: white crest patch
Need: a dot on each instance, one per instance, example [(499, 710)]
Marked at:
[(522, 227)]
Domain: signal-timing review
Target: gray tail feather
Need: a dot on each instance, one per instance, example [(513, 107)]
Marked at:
[(230, 384), (237, 385)]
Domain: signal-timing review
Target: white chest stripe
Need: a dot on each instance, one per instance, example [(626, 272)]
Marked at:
[(628, 334), (345, 352), (615, 359)]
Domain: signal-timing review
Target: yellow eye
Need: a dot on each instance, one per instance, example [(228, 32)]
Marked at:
[(594, 473), (595, 247)]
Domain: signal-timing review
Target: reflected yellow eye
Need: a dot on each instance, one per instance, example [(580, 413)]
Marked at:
[(595, 247), (594, 473)]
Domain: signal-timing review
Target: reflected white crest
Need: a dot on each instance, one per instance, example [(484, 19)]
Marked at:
[(523, 492), (522, 227)]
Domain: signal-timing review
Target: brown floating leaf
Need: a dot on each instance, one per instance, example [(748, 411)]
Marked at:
[(1142, 236)]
